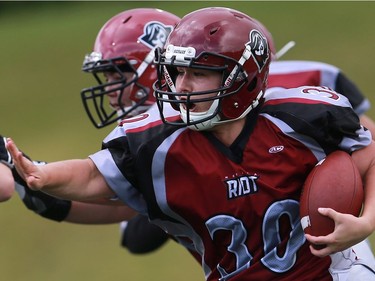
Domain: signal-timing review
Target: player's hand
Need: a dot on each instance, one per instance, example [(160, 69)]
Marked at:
[(349, 230), (30, 172), (41, 203)]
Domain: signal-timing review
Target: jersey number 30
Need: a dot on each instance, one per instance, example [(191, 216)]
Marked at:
[(271, 238)]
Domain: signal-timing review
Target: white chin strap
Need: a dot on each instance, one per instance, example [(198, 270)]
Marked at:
[(197, 116), (209, 124)]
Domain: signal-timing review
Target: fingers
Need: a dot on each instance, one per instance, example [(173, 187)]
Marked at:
[(321, 246), (320, 251), (16, 154), (328, 212), (318, 243), (24, 166), (13, 150), (341, 238)]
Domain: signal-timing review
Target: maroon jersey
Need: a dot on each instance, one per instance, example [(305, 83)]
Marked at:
[(296, 73), (237, 207)]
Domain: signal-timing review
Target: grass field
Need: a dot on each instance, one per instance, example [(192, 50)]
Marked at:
[(42, 48)]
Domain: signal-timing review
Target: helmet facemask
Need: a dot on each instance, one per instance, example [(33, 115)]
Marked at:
[(124, 49), (95, 99), (233, 79)]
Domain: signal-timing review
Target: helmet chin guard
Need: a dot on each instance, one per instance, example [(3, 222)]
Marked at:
[(195, 118)]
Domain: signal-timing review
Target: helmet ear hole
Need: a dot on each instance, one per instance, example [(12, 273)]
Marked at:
[(252, 84), (214, 30), (127, 19)]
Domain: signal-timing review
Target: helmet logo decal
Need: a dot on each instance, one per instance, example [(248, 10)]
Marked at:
[(155, 34), (259, 48)]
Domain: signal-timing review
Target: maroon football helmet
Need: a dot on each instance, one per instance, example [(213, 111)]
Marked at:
[(218, 39), (125, 44)]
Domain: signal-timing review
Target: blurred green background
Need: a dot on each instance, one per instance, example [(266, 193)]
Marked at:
[(41, 51)]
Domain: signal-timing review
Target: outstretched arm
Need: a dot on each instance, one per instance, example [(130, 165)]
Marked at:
[(77, 179), (58, 209), (89, 213)]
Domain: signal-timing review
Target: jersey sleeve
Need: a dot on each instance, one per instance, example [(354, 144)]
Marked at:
[(115, 163), (321, 114), (347, 88), (296, 73)]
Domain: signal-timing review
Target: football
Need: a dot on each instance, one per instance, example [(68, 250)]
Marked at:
[(334, 183)]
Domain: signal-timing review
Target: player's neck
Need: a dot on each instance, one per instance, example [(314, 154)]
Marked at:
[(227, 133)]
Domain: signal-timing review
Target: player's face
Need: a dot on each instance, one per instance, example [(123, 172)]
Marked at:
[(191, 80), (113, 97)]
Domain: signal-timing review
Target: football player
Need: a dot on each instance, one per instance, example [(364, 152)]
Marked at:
[(282, 74), (208, 177)]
